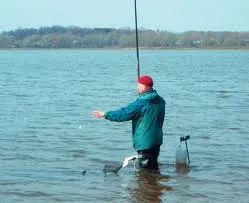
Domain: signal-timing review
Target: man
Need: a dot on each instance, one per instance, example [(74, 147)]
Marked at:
[(147, 116)]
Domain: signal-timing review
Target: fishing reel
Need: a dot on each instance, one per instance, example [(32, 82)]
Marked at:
[(184, 138)]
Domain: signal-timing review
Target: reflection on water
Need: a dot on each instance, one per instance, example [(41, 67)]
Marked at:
[(183, 168), (149, 186)]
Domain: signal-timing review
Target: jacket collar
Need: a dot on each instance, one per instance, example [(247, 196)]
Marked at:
[(148, 94), (146, 91)]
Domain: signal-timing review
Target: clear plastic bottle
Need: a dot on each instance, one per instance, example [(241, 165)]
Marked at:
[(181, 155)]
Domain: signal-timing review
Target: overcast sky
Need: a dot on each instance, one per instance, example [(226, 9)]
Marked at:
[(171, 15)]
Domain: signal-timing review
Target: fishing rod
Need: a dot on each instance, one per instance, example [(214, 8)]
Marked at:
[(138, 65)]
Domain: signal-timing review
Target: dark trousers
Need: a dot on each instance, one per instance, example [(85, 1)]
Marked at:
[(148, 158)]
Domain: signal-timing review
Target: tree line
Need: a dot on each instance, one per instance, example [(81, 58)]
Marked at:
[(77, 37)]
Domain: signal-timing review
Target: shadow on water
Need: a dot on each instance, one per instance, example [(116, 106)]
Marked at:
[(183, 168)]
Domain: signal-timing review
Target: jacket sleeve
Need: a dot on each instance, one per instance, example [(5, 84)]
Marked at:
[(124, 114)]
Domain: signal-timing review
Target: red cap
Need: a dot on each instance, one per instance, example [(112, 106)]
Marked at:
[(146, 80)]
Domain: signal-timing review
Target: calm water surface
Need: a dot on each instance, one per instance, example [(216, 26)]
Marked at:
[(48, 135)]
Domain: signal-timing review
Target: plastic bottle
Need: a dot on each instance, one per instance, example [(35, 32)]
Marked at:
[(181, 155)]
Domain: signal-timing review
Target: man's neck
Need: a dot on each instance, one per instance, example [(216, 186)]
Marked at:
[(146, 90)]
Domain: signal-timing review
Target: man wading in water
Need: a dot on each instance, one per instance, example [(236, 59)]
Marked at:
[(147, 116)]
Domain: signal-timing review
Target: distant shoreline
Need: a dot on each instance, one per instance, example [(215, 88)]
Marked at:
[(59, 37)]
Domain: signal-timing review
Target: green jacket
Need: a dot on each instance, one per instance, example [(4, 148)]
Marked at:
[(147, 115)]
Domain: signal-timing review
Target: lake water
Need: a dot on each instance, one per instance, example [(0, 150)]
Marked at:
[(48, 135)]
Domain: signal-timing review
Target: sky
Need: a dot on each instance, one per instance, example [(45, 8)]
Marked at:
[(170, 15)]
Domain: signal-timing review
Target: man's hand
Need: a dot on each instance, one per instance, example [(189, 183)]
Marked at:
[(98, 114)]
